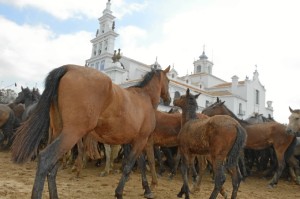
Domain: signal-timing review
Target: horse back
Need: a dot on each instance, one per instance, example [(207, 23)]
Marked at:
[(132, 110), (167, 128), (5, 112), (204, 133), (83, 94)]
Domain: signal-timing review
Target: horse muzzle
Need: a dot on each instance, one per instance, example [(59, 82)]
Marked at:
[(290, 132)]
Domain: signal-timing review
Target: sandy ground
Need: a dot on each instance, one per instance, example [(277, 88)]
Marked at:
[(16, 182)]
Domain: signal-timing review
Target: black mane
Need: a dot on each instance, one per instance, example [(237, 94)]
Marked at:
[(147, 78)]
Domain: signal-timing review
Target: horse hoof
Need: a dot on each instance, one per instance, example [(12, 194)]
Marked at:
[(194, 190), (103, 174), (149, 195), (271, 186), (153, 186)]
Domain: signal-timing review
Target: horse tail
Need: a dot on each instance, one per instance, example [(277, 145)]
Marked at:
[(30, 134), (238, 145), (290, 150)]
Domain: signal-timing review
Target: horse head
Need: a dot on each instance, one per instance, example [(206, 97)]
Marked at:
[(24, 96), (293, 127), (217, 108), (164, 82), (36, 94), (187, 102)]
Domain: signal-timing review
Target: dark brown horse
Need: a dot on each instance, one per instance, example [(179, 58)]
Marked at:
[(261, 136), (220, 137), (82, 100), (30, 99)]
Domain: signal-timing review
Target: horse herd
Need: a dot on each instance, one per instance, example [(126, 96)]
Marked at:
[(81, 105)]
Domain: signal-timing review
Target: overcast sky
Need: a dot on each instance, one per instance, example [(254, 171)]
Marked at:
[(37, 36)]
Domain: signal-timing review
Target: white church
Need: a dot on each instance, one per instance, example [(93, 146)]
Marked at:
[(243, 97)]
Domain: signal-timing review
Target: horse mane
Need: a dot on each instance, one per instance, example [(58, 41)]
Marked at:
[(147, 78), (220, 103)]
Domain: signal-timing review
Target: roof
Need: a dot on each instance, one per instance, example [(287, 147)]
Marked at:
[(220, 93), (228, 84)]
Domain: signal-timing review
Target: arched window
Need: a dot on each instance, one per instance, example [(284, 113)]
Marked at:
[(199, 68)]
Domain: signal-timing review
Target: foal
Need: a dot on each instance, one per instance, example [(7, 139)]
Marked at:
[(221, 137)]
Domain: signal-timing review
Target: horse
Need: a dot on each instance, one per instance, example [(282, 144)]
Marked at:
[(261, 136), (220, 137), (261, 157), (79, 100), (29, 99), (8, 124), (165, 134), (293, 128)]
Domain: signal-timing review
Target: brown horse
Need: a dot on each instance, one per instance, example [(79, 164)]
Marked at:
[(261, 136), (220, 137), (82, 100), (8, 125), (165, 134)]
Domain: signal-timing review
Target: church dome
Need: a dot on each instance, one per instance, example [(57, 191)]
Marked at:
[(203, 56), (156, 65)]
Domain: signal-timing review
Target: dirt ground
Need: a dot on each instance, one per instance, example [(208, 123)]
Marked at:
[(16, 182)]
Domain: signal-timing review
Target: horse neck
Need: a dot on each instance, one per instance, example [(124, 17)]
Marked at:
[(151, 89), (188, 114), (29, 102), (226, 111)]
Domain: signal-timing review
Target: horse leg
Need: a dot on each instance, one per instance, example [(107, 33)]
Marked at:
[(47, 160), (128, 165), (294, 169), (194, 171), (107, 160), (51, 177), (158, 156), (219, 176), (177, 160), (236, 180), (114, 154), (150, 155), (79, 159), (142, 165), (202, 166), (186, 162), (282, 153)]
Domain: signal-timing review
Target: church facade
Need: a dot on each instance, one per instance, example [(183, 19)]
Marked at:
[(243, 97)]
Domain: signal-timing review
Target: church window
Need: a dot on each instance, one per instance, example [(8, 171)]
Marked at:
[(206, 103), (105, 45), (257, 96), (102, 65), (240, 109), (199, 68)]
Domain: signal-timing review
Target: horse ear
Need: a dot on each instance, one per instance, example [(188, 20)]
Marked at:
[(218, 100), (291, 110), (222, 102), (22, 88), (167, 69), (188, 91), (196, 96)]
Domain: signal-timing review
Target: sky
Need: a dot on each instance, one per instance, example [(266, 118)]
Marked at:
[(239, 36)]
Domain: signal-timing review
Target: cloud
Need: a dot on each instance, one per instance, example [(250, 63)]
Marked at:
[(28, 53), (66, 9)]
